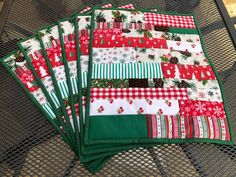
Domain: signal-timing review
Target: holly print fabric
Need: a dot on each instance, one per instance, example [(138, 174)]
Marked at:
[(151, 69)]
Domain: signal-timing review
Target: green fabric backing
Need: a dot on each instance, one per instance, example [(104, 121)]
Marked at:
[(129, 126)]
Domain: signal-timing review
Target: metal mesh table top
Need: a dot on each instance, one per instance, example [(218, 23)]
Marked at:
[(30, 146)]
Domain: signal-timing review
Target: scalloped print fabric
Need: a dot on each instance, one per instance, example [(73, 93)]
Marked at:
[(151, 70)]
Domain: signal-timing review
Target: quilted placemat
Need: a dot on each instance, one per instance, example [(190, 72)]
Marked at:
[(83, 23), (150, 80)]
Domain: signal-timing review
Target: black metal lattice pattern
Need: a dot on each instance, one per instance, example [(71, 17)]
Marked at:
[(29, 146)]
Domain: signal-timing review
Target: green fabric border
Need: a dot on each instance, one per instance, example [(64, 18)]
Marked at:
[(219, 81), (32, 98), (158, 141), (183, 31), (68, 130), (67, 70)]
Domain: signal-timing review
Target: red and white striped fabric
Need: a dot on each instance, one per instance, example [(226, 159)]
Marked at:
[(127, 6), (138, 93), (68, 109), (85, 9), (169, 20), (107, 6), (121, 25)]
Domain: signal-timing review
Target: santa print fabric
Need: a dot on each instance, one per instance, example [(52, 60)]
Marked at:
[(183, 101)]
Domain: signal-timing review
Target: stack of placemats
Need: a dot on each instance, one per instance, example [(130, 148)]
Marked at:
[(110, 79)]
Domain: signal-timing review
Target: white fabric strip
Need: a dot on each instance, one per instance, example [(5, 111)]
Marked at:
[(136, 106)]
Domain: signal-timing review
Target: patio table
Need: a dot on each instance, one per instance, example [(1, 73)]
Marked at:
[(29, 145)]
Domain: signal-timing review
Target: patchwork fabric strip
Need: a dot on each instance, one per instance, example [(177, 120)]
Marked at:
[(165, 126), (138, 93), (151, 69), (129, 70), (169, 20)]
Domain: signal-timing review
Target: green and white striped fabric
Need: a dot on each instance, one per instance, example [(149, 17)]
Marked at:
[(63, 89), (84, 79), (74, 84), (205, 127), (127, 71), (163, 127), (55, 99), (47, 107)]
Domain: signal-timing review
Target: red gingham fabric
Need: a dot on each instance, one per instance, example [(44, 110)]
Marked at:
[(127, 6), (169, 20), (139, 93)]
